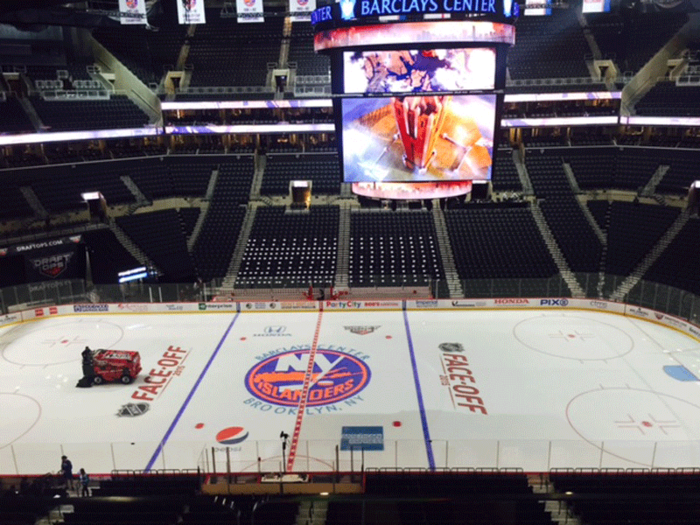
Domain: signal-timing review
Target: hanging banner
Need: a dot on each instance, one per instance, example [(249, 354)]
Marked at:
[(253, 9), (133, 12), (302, 10), (596, 6), (539, 8), (191, 11), (40, 245), (54, 263)]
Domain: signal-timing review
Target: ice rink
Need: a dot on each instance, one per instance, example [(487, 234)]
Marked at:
[(535, 389)]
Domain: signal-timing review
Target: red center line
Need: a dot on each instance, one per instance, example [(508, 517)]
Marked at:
[(304, 396)]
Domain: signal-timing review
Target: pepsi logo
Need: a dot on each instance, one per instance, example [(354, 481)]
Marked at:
[(232, 435), (279, 379)]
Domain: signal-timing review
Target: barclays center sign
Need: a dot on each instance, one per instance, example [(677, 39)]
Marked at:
[(348, 10)]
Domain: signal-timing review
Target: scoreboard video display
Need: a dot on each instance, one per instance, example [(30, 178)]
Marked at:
[(414, 70), (417, 100), (430, 138)]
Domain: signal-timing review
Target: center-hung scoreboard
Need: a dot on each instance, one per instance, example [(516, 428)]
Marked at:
[(418, 88)]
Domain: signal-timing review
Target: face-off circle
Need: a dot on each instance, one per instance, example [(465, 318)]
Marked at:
[(279, 379), (573, 337), (58, 343), (25, 411), (627, 422)]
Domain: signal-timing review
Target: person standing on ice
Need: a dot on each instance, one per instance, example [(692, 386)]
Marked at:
[(67, 472), (88, 368), (84, 482)]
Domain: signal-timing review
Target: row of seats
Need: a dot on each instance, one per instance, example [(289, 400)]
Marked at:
[(59, 187), (632, 232), (217, 240), (442, 511), (667, 99), (146, 53), (503, 242), (630, 498), (159, 234), (13, 118), (301, 51), (442, 498), (222, 41), (677, 264), (549, 47), (291, 248), (388, 248), (505, 175), (172, 177), (78, 115), (108, 256), (322, 170), (631, 168), (578, 242)]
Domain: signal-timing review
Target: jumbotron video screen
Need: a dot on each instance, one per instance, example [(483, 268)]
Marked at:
[(418, 71), (430, 138)]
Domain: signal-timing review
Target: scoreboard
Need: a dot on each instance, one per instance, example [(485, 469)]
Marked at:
[(418, 87)]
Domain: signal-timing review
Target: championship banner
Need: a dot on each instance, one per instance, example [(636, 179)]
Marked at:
[(191, 11), (252, 8), (133, 12), (539, 8), (596, 6), (302, 10)]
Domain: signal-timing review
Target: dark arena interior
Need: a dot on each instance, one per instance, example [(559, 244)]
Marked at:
[(203, 156)]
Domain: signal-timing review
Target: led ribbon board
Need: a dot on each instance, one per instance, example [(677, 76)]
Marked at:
[(354, 10), (410, 33)]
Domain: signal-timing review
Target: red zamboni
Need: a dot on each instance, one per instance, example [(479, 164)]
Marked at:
[(115, 365)]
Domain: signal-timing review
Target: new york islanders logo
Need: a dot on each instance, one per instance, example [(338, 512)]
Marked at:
[(279, 379)]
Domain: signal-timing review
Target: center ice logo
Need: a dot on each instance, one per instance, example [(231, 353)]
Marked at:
[(279, 379)]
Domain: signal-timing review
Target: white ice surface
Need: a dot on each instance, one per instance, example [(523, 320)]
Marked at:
[(555, 389)]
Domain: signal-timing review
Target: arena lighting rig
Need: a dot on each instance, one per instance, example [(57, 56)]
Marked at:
[(418, 87)]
